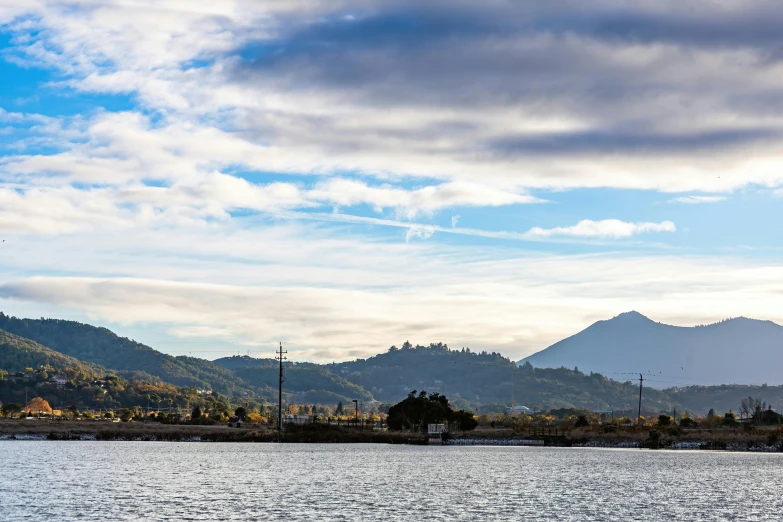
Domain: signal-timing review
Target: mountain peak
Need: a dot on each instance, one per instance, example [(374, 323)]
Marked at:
[(727, 351), (633, 315)]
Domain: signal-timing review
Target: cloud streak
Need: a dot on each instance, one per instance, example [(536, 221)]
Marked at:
[(607, 228)]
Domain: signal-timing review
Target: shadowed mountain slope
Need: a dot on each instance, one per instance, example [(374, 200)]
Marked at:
[(741, 350)]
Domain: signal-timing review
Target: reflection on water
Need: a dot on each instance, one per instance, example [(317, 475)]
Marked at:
[(201, 481)]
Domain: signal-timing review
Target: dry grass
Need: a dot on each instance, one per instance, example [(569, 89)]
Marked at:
[(712, 438), (103, 430)]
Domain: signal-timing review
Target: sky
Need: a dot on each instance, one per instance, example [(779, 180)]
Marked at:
[(213, 178)]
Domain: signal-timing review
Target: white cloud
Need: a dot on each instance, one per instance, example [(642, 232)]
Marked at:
[(419, 232), (697, 200), (657, 112), (610, 228), (411, 203), (455, 220), (171, 170)]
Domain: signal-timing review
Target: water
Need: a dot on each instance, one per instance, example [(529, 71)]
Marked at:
[(88, 481)]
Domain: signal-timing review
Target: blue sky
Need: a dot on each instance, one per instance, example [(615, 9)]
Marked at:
[(343, 176)]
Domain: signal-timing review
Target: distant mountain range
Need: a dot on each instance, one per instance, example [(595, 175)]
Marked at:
[(742, 351), (482, 381)]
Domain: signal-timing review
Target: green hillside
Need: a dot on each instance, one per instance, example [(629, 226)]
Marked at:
[(304, 382), (103, 347), (27, 369), (18, 354)]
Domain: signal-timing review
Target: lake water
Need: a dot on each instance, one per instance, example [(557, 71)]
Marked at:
[(88, 481)]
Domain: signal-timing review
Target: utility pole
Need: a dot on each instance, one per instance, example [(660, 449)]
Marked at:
[(355, 413), (281, 358), (639, 418)]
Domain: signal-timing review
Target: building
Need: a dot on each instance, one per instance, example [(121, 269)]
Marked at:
[(521, 410), (298, 419), (436, 429), (60, 380)]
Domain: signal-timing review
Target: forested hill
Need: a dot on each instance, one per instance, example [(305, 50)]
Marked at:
[(470, 378), (305, 382), (17, 354), (105, 348)]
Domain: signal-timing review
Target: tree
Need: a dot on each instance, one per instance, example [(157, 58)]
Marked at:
[(729, 418), (687, 422), (417, 411), (581, 422), (711, 414), (11, 409), (38, 406), (241, 413), (664, 420), (196, 413), (752, 407), (339, 410), (464, 420), (125, 414)]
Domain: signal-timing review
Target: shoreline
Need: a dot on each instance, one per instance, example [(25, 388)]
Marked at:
[(254, 438), (334, 436)]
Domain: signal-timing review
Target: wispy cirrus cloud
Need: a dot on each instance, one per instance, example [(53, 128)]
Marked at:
[(698, 200)]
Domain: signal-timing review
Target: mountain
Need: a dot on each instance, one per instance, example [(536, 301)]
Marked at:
[(105, 348), (738, 350)]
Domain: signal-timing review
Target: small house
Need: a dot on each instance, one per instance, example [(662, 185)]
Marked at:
[(521, 410)]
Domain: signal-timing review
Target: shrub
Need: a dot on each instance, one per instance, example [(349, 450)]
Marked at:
[(654, 439), (687, 422)]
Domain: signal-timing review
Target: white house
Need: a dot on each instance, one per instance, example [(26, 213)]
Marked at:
[(60, 380), (521, 410)]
